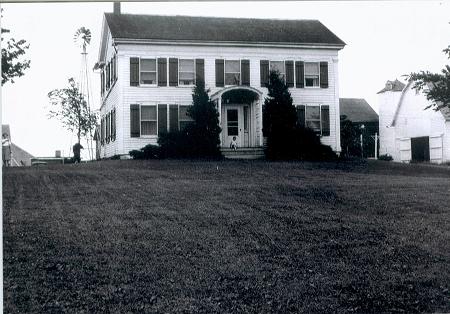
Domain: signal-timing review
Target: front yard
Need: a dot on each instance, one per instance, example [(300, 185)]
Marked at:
[(229, 236)]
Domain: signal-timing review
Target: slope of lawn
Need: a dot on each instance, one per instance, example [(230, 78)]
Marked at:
[(228, 236)]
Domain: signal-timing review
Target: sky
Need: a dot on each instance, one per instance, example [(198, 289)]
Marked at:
[(385, 40)]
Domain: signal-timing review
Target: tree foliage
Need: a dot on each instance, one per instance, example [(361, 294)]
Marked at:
[(350, 138), (435, 86), (12, 63), (199, 139), (279, 118), (69, 106), (204, 131)]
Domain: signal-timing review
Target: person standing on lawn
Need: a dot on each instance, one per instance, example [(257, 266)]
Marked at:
[(6, 150), (76, 152)]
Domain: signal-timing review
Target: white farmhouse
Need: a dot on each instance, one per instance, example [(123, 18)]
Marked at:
[(408, 131), (149, 65)]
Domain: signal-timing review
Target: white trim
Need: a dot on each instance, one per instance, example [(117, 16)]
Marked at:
[(227, 43)]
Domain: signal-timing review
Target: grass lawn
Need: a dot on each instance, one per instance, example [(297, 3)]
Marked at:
[(231, 236)]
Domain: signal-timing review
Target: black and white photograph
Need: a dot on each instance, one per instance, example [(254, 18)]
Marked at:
[(225, 156)]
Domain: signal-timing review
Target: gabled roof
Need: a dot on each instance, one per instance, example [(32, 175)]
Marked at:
[(219, 29), (357, 110), (20, 157), (392, 86)]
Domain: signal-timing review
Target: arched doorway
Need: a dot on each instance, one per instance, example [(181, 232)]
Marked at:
[(240, 115)]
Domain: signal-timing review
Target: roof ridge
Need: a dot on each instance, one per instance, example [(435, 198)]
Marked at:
[(215, 17)]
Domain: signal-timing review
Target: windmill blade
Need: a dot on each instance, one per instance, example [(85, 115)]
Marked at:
[(82, 37)]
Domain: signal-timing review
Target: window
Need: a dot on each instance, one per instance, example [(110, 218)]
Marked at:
[(315, 117), (312, 118), (184, 119), (232, 122), (232, 72), (186, 72), (148, 120), (312, 74), (278, 66), (148, 71)]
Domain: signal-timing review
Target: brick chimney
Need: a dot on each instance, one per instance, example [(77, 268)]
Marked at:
[(116, 8)]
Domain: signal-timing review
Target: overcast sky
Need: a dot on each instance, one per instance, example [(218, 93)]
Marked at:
[(384, 41)]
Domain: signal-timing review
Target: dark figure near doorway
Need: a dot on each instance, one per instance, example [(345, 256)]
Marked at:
[(76, 152)]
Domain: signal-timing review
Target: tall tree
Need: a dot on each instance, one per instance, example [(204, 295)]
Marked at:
[(205, 130), (12, 63), (70, 107), (279, 119), (435, 86)]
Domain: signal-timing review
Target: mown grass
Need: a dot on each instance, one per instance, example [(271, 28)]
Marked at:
[(228, 236)]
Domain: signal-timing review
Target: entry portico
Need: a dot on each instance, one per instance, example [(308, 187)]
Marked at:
[(240, 115)]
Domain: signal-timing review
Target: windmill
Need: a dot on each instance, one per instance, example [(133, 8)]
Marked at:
[(82, 39)]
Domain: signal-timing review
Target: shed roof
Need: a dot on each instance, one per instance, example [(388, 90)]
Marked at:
[(357, 110), (219, 29)]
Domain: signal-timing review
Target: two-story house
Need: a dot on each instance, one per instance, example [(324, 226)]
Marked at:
[(149, 65)]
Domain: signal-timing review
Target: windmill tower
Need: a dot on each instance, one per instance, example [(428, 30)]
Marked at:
[(82, 39)]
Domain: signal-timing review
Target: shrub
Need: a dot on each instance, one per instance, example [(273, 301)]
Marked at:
[(385, 157), (174, 145), (146, 152), (307, 146)]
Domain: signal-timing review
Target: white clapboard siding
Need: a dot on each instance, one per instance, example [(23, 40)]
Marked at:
[(123, 95)]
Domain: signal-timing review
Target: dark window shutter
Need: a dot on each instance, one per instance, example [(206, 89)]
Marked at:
[(199, 70), (107, 128), (102, 135), (173, 72), (102, 81), (245, 72), (300, 74), (134, 71), (325, 117), (323, 74), (301, 116), (162, 119), (113, 125), (173, 118), (162, 72), (289, 73), (264, 72), (135, 121), (220, 76), (107, 77)]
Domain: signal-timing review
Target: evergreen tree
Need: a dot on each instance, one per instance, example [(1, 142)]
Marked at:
[(203, 134), (279, 119)]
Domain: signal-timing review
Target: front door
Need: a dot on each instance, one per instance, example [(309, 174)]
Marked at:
[(246, 122), (233, 125)]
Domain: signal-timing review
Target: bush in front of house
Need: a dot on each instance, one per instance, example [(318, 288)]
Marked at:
[(285, 139), (146, 152), (198, 139), (385, 157)]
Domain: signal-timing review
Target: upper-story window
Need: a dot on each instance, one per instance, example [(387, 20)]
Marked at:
[(148, 71), (278, 66), (186, 72), (232, 72), (312, 74)]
